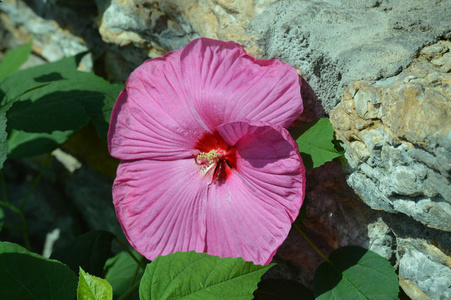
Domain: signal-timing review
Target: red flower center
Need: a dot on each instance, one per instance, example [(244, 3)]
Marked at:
[(216, 157)]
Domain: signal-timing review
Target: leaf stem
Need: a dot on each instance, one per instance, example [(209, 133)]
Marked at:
[(137, 270), (129, 252), (130, 291), (310, 242)]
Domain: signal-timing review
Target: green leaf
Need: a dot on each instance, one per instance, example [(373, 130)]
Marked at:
[(93, 288), (316, 143), (13, 59), (27, 79), (119, 272), (282, 289), (355, 273), (24, 144), (71, 100), (53, 112), (191, 275), (89, 251), (26, 275)]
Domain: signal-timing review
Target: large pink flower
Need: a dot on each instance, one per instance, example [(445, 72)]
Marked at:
[(207, 164)]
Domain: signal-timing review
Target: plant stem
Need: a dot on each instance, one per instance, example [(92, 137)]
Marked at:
[(130, 291), (25, 230), (36, 181), (137, 270), (310, 242), (24, 227), (129, 252)]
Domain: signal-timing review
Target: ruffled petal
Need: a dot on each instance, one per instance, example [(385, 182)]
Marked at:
[(226, 84), (161, 206), (152, 117), (250, 214), (171, 101)]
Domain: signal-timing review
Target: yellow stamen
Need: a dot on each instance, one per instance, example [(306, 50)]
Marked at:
[(206, 160)]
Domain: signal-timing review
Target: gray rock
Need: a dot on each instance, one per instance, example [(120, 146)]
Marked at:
[(335, 42), (397, 135), (427, 266)]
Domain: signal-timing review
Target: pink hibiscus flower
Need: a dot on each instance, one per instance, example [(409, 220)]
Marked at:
[(206, 162)]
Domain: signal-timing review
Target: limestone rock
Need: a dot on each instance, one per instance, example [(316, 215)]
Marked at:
[(397, 135), (426, 266), (50, 41), (337, 42), (171, 24), (143, 24)]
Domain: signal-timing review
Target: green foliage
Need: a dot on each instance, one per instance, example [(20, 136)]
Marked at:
[(13, 59), (42, 119), (93, 288), (121, 271), (356, 273), (316, 144), (88, 251), (26, 275), (282, 289), (191, 275)]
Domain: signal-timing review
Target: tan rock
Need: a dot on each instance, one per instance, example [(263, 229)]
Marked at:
[(156, 25), (396, 132), (220, 19)]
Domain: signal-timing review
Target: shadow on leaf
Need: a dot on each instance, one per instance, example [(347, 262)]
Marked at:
[(329, 274), (54, 76)]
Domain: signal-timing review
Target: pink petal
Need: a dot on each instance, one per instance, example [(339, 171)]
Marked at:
[(170, 101), (161, 206), (152, 117), (250, 214), (226, 84)]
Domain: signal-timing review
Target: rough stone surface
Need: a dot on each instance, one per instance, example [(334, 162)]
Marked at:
[(338, 42), (335, 217), (426, 265), (59, 31), (397, 135)]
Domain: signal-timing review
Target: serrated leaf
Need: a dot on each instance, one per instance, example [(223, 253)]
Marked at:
[(26, 275), (355, 273), (191, 275), (119, 272), (13, 59), (93, 288), (316, 143), (89, 251), (282, 289)]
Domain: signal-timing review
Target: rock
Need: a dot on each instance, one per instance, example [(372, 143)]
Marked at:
[(335, 43), (427, 267), (145, 25), (397, 137), (335, 217), (50, 41), (60, 31)]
